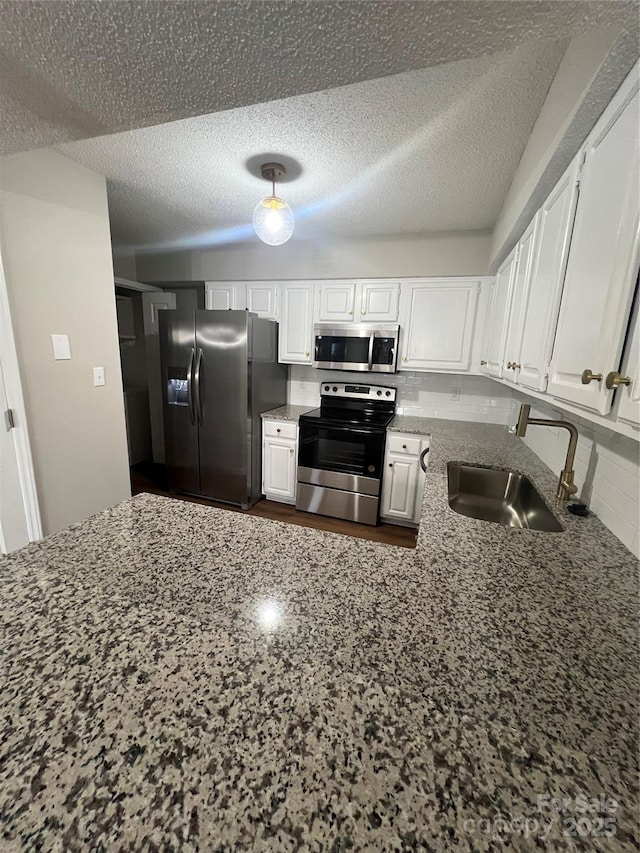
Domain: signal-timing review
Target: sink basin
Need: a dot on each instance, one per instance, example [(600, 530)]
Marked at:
[(498, 495)]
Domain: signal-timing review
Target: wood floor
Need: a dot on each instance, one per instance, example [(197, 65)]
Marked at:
[(150, 478)]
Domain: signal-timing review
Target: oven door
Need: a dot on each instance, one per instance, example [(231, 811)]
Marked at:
[(356, 348), (342, 457)]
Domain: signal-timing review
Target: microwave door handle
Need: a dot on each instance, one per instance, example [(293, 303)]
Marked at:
[(370, 362), (192, 413), (198, 398)]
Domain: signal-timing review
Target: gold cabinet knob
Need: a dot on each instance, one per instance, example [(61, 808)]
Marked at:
[(350, 312), (390, 464), (404, 358), (291, 450), (588, 376), (278, 429), (515, 366), (306, 353), (483, 362), (363, 311), (615, 379), (509, 365), (404, 446)]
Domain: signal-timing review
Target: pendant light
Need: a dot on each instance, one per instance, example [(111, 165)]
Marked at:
[(273, 219)]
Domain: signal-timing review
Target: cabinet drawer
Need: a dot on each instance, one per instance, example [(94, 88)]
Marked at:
[(402, 444), (281, 429)]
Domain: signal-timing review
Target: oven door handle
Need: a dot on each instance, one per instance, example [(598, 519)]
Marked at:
[(370, 361)]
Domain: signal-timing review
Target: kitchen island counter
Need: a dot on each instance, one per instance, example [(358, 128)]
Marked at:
[(175, 676)]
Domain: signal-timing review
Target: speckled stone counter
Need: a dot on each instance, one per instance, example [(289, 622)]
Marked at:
[(286, 413), (411, 424), (179, 677)]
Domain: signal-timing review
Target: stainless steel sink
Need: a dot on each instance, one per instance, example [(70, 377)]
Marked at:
[(499, 495)]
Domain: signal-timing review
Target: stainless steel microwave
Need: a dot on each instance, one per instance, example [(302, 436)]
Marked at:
[(356, 348)]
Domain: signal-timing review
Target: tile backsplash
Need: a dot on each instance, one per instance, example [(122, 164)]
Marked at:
[(607, 467), (429, 395)]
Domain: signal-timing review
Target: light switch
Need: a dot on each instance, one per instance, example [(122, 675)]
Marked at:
[(98, 376), (61, 349)]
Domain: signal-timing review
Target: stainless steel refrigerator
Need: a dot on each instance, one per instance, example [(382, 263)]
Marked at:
[(219, 372)]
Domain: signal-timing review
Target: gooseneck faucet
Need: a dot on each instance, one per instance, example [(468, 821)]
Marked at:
[(566, 486)]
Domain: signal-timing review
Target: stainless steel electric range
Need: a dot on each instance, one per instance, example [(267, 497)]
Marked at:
[(341, 451)]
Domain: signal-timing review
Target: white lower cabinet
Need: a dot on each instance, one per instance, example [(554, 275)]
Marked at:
[(405, 465), (279, 460)]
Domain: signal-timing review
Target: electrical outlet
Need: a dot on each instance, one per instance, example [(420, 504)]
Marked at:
[(98, 376)]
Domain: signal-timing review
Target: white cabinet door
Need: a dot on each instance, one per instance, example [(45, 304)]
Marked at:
[(279, 469), (399, 487), (555, 223), (336, 301), (629, 395), (223, 296), (511, 362), (438, 318), (295, 339), (261, 299), (495, 335), (379, 301), (601, 268)]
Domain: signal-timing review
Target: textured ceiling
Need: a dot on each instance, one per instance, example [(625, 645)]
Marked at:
[(428, 150), (74, 70)]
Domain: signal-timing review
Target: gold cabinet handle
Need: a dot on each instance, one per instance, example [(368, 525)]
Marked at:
[(509, 365), (588, 376), (482, 363), (614, 379)]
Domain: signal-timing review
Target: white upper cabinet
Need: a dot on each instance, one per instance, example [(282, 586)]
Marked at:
[(602, 264), (358, 301), (542, 302), (221, 296), (519, 297), (495, 334), (628, 380), (296, 322), (438, 318), (260, 297), (379, 301), (336, 301)]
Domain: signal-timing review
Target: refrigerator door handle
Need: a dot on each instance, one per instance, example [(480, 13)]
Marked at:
[(192, 413), (198, 399)]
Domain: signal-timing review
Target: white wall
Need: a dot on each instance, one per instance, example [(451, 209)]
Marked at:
[(460, 253), (56, 249), (428, 395), (607, 470), (124, 263)]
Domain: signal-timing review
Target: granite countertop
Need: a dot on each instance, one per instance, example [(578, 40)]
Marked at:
[(180, 677), (286, 413), (410, 424)]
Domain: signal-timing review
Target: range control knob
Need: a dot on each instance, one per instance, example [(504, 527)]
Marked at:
[(379, 393), (388, 393), (326, 387), (335, 388)]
